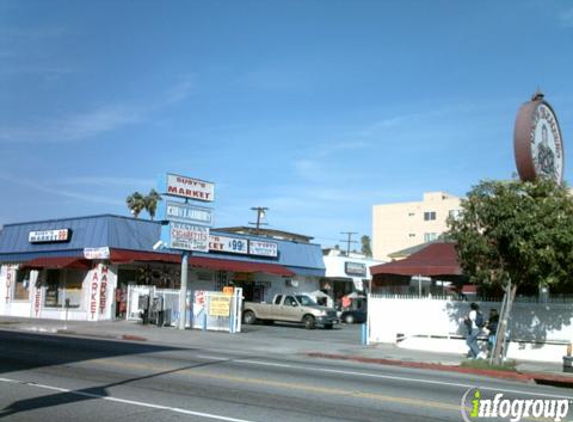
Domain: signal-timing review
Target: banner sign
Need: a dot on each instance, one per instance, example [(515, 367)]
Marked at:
[(228, 244), (219, 305), (355, 268), (185, 213), (263, 248), (189, 237), (186, 187), (97, 253), (45, 236)]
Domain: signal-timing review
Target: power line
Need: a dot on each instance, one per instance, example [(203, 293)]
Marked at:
[(261, 213), (348, 241)]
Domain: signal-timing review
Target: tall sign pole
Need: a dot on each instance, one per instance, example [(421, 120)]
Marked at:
[(183, 291), (185, 225)]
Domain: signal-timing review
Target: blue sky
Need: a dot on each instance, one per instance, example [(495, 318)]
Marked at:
[(315, 109)]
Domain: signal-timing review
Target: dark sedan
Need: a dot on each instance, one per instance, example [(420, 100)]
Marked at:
[(353, 316)]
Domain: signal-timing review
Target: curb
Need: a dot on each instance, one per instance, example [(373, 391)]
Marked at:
[(513, 376)]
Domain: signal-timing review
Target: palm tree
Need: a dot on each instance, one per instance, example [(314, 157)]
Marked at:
[(151, 201), (136, 203)]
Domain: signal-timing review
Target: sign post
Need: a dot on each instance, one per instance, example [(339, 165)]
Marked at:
[(186, 225), (183, 290)]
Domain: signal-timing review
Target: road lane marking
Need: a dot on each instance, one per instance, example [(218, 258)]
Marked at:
[(125, 401), (390, 377)]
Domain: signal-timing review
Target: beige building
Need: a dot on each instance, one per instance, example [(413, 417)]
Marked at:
[(403, 225)]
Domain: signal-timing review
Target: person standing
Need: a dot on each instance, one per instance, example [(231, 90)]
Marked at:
[(474, 323), (491, 326)]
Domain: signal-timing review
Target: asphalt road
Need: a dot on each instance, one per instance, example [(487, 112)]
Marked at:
[(59, 378)]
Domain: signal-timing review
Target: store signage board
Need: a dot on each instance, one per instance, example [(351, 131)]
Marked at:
[(187, 237), (260, 248), (185, 213), (186, 187), (48, 236), (538, 142), (228, 244), (97, 253), (355, 268)]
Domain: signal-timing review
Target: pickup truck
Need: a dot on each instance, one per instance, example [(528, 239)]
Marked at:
[(290, 308)]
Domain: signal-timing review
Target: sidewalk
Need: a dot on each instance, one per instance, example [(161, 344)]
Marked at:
[(252, 342)]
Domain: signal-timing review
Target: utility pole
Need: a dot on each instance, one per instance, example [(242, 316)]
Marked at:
[(261, 212), (348, 241)]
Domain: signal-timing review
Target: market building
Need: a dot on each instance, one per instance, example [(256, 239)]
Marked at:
[(82, 268)]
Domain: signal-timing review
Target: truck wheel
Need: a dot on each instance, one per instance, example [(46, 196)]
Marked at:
[(309, 322), (349, 319), (249, 317)]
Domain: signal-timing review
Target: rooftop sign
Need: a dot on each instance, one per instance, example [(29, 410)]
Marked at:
[(538, 142), (186, 187), (48, 236)]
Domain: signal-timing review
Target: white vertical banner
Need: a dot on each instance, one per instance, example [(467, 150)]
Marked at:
[(108, 283), (37, 295), (93, 295), (3, 273)]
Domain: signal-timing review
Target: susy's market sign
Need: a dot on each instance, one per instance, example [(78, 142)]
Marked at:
[(186, 187)]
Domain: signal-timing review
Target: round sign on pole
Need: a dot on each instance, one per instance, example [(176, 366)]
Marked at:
[(538, 142)]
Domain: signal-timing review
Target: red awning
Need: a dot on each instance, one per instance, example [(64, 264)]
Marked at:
[(59, 262), (434, 260), (239, 266), (122, 256)]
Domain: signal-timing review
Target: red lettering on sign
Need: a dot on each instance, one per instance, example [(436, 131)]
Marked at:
[(38, 300), (8, 284), (93, 295), (103, 290)]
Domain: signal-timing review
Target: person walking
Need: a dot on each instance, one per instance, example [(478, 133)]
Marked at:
[(474, 324)]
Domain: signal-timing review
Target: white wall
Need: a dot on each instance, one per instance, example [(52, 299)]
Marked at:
[(34, 307), (532, 325)]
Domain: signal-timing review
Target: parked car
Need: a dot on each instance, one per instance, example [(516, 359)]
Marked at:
[(353, 316), (290, 308)]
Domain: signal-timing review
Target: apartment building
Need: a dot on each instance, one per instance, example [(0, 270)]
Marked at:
[(403, 225)]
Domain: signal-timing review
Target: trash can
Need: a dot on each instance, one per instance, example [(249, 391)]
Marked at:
[(567, 363)]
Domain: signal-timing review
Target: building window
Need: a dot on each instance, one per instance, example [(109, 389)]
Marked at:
[(62, 285), (412, 235), (22, 285), (454, 213), (429, 215), (411, 214), (428, 237)]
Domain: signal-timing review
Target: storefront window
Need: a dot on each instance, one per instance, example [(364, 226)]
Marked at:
[(22, 285), (62, 285)]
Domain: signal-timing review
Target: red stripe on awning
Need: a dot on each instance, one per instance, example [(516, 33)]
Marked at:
[(123, 256), (239, 266), (59, 262)]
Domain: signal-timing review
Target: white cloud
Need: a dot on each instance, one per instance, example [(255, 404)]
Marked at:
[(106, 181), (566, 18), (90, 123), (42, 187)]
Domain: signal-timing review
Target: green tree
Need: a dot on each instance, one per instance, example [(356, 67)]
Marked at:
[(366, 248), (136, 203), (151, 201), (515, 235)]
